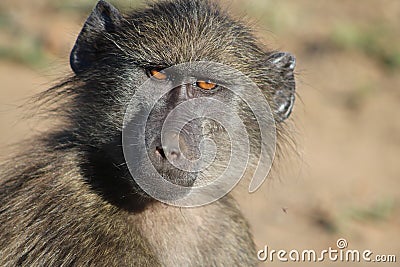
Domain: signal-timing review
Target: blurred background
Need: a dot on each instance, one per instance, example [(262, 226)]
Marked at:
[(343, 182)]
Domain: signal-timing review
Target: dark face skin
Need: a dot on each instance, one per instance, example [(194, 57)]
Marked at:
[(115, 54)]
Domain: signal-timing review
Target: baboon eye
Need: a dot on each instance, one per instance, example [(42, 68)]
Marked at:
[(206, 85), (157, 74)]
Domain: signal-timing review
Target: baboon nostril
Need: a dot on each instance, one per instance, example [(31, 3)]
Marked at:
[(160, 151), (172, 153)]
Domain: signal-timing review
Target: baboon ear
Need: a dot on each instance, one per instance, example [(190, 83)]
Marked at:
[(283, 97), (103, 19)]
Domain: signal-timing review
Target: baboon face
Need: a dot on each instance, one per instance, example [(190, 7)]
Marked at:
[(113, 57)]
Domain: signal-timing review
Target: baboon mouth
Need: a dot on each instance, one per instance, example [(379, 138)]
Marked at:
[(179, 177), (168, 171)]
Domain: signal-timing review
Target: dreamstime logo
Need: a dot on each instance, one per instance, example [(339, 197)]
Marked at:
[(342, 254), (235, 93)]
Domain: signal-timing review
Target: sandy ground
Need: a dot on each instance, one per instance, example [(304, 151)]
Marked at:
[(343, 182)]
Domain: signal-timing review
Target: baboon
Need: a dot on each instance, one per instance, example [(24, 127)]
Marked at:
[(69, 199)]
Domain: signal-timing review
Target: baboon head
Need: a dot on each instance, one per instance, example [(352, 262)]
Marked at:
[(190, 59)]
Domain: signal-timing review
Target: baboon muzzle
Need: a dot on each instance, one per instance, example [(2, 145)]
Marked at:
[(180, 148)]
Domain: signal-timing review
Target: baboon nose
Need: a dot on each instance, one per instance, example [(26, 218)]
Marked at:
[(170, 146)]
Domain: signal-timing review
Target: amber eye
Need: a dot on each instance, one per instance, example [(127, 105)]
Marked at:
[(158, 74), (206, 85)]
